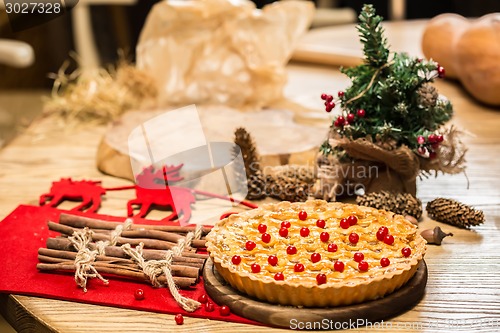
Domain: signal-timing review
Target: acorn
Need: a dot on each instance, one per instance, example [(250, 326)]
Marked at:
[(434, 236)]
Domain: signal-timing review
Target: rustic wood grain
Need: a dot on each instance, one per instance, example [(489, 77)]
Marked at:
[(281, 316), (464, 273)]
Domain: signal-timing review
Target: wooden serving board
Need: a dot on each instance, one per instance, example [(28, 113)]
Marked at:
[(392, 305)]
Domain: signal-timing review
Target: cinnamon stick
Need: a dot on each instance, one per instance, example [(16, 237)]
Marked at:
[(181, 282), (81, 222)]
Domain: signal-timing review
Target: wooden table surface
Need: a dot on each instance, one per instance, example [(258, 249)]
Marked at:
[(463, 290)]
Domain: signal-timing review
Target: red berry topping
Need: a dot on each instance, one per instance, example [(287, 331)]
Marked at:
[(236, 259), (441, 72), (324, 237), (291, 250), (262, 228), (329, 98), (358, 256), (432, 138), (321, 278), (361, 113), (321, 223), (249, 245), (341, 94), (406, 251), (384, 262), (302, 215), (179, 319), (279, 276), (304, 232), (344, 224), (350, 118), (209, 306), (363, 266), (266, 238), (285, 224), (381, 233), (324, 96), (315, 257), (255, 268), (272, 260), (338, 266), (203, 298), (224, 310), (332, 247), (352, 220), (389, 239), (298, 267), (139, 294), (420, 140), (283, 232), (353, 238)]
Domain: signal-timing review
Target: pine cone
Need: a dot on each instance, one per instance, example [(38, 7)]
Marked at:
[(399, 203), (286, 189), (248, 151), (454, 213), (256, 186), (427, 95)]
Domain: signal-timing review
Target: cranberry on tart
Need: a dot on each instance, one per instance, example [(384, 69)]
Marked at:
[(316, 254)]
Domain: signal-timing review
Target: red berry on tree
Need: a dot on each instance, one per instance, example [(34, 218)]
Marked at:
[(298, 267), (329, 98), (361, 113), (304, 232), (209, 306), (321, 224), (341, 94), (283, 232), (139, 294), (350, 118), (324, 96), (358, 256), (381, 233), (324, 237), (389, 239), (406, 251), (179, 319), (420, 140), (441, 72), (440, 138), (266, 238), (344, 224), (255, 268), (224, 310), (432, 155), (432, 138), (315, 257), (285, 224), (279, 276), (332, 247), (321, 278), (384, 262), (353, 238), (340, 120), (363, 266), (272, 260), (291, 250), (352, 220), (203, 298), (249, 245), (302, 215), (236, 259), (262, 228), (339, 266), (422, 150)]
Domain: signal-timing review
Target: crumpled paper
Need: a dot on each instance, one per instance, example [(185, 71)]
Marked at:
[(220, 51)]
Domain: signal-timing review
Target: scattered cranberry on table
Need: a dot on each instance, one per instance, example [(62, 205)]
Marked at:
[(203, 298), (224, 310), (139, 294), (209, 306), (179, 319)]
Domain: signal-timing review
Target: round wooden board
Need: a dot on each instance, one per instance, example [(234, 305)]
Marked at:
[(394, 304)]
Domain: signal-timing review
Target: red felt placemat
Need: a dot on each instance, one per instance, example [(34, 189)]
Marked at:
[(25, 230)]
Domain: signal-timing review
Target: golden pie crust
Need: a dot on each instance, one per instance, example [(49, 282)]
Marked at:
[(229, 236)]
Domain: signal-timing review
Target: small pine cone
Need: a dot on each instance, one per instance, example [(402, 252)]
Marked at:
[(427, 95), (399, 203), (256, 186), (286, 189), (455, 213)]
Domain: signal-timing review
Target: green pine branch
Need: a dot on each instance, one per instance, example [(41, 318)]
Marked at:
[(372, 36)]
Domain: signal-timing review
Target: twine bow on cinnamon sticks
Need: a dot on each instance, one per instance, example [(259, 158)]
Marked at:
[(163, 255)]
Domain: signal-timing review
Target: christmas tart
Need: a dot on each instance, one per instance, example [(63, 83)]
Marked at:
[(314, 253)]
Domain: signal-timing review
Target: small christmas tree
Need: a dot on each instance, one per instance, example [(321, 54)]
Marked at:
[(390, 105)]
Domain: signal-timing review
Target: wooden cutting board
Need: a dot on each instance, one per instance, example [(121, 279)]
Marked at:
[(392, 305)]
